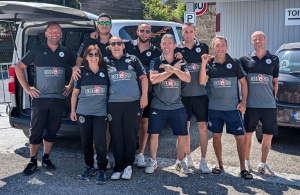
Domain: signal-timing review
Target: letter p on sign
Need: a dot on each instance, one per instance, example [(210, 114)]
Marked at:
[(190, 17)]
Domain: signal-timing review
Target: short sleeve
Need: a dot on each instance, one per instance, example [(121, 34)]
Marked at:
[(240, 71), (28, 58), (72, 59), (208, 68), (205, 48), (276, 67), (154, 66), (139, 67), (84, 45)]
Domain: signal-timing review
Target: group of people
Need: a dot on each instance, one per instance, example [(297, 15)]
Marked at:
[(127, 88)]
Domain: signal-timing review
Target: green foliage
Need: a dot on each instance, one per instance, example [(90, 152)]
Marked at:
[(68, 3), (179, 11), (155, 10)]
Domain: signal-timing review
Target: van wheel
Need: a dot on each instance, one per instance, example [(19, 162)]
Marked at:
[(259, 132), (26, 132)]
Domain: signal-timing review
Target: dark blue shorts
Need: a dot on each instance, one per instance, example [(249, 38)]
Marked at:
[(177, 119), (232, 119)]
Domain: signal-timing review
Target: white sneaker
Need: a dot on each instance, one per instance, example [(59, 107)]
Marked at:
[(95, 162), (248, 166), (189, 161), (127, 173), (265, 170), (152, 166), (116, 175), (140, 161), (181, 166), (203, 167)]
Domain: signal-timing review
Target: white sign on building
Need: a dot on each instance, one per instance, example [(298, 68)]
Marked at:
[(190, 17), (292, 16)]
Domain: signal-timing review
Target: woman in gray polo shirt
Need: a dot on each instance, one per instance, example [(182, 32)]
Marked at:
[(90, 91)]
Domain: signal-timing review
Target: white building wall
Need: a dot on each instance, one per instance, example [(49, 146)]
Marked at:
[(240, 19)]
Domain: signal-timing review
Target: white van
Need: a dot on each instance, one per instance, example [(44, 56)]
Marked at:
[(28, 22)]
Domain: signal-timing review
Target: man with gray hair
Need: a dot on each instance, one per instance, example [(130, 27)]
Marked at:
[(167, 75), (225, 106)]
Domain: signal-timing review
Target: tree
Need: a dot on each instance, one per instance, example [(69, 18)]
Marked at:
[(179, 11), (155, 10), (68, 3)]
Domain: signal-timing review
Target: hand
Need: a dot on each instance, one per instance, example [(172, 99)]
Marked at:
[(73, 116), (179, 64), (33, 92), (178, 55), (144, 101), (94, 35), (241, 107), (76, 73), (67, 90), (168, 68), (206, 58)]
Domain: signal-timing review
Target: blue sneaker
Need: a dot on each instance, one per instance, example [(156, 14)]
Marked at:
[(101, 178), (89, 171)]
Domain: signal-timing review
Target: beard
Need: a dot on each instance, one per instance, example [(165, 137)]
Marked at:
[(144, 41), (53, 41)]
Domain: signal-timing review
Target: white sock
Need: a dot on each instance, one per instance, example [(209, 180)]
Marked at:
[(203, 159), (152, 160), (247, 162), (261, 164), (188, 156)]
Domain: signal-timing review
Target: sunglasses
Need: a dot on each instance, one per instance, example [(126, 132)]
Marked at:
[(107, 23), (147, 31), (119, 43), (93, 54)]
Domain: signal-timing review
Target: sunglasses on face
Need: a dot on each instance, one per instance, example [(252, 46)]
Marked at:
[(107, 23), (119, 43), (93, 54), (143, 31)]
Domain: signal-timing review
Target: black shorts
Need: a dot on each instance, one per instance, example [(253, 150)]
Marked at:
[(146, 110), (46, 117), (177, 119), (198, 106), (267, 116)]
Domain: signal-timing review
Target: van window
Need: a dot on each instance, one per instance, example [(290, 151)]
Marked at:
[(289, 61), (6, 43), (129, 33)]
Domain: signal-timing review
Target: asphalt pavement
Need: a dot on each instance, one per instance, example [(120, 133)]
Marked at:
[(67, 156)]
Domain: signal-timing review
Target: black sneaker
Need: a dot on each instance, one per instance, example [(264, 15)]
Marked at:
[(29, 169), (47, 164), (89, 171), (101, 178)]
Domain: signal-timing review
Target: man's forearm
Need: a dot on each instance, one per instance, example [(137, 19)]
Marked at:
[(160, 77), (184, 76), (144, 83), (244, 92), (21, 77)]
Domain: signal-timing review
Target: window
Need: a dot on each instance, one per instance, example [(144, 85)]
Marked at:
[(6, 43), (289, 61)]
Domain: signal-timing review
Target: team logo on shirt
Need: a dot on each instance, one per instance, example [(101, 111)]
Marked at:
[(61, 54), (53, 72), (222, 83), (148, 53), (170, 83), (229, 66), (198, 49), (268, 61), (260, 78), (193, 67), (96, 90), (81, 119), (121, 76), (101, 74)]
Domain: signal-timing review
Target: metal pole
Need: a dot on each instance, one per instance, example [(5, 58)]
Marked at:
[(64, 2)]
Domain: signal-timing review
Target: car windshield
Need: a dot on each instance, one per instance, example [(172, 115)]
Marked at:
[(289, 61)]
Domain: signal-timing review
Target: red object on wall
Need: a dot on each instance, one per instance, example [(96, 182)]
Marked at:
[(218, 21)]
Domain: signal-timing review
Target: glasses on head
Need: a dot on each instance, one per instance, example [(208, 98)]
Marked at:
[(145, 31), (107, 23), (93, 54), (119, 43)]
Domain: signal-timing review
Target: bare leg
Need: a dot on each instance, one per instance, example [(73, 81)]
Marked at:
[(265, 147), (143, 135), (47, 147), (153, 143), (181, 147), (240, 143), (218, 147), (248, 143), (203, 138), (34, 149)]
